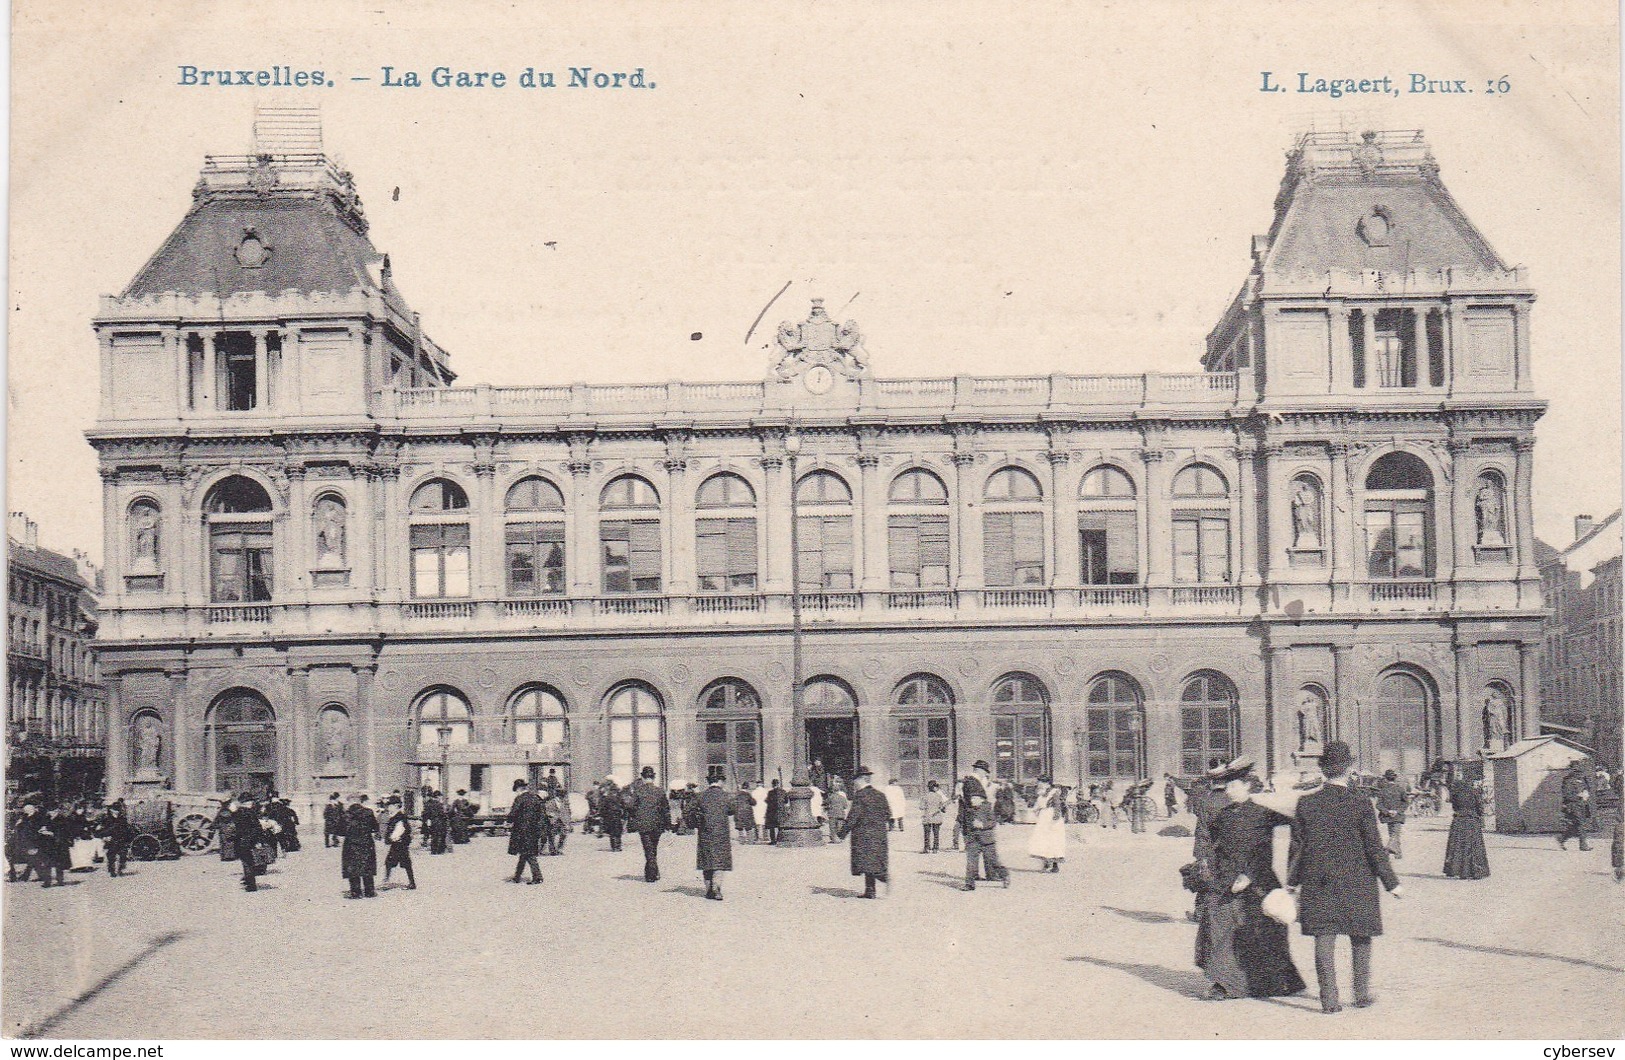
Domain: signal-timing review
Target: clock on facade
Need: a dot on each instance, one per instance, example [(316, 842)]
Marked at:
[(819, 379)]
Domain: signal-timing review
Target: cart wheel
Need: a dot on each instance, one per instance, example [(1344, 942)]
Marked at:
[(146, 847), (194, 833)]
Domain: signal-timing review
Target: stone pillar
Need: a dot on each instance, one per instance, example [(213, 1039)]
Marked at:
[(1248, 514), (1419, 340), (176, 354), (366, 704), (582, 554), (1342, 688), (1064, 558), (1465, 740), (1155, 521), (874, 563), (774, 511), (113, 534), (1456, 533), (300, 770), (297, 562), (393, 546), (1529, 704), (1455, 360), (678, 562), (1368, 318), (1522, 506), (1342, 374), (1520, 317), (968, 529), (262, 373), (488, 544), (185, 776), (1341, 522), (105, 342), (211, 371)]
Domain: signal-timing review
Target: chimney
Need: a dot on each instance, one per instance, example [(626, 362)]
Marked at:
[(1582, 526), (23, 530)]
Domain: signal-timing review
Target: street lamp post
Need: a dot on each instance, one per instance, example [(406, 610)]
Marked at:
[(444, 735), (797, 826)]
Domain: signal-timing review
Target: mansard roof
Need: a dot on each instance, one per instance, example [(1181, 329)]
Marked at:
[(1369, 201)]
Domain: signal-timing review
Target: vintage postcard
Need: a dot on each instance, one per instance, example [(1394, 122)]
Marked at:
[(814, 521)]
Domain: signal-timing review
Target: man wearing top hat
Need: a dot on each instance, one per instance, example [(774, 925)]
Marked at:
[(868, 822), (1337, 860), (333, 821), (611, 812), (650, 816), (526, 822), (117, 833), (981, 827), (713, 851)]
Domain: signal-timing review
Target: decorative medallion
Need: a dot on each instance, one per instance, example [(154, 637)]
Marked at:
[(820, 342), (1253, 664), (969, 665), (1376, 228), (1160, 663), (1367, 154), (582, 676), (681, 674), (389, 680), (252, 251), (488, 677), (1065, 664), (777, 672), (873, 668), (263, 177)]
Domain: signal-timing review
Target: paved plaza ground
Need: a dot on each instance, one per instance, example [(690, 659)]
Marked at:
[(1101, 950)]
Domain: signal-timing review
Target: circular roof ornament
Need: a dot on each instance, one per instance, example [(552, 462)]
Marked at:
[(252, 252), (1376, 228)]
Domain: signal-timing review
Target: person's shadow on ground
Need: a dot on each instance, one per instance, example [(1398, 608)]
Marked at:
[(1184, 984), (1142, 916), (836, 892)]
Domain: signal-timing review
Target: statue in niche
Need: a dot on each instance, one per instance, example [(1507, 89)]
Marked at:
[(1305, 515), (330, 519), (144, 539), (1489, 507), (1311, 733), (335, 735), (1496, 709), (149, 743)]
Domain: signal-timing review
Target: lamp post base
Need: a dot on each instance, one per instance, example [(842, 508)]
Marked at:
[(797, 826)]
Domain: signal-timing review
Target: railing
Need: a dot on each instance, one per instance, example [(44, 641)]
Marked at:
[(441, 611), (725, 603), (632, 605), (1206, 595), (1420, 592), (1126, 596), (822, 602), (919, 599), (250, 613), (541, 608), (1017, 597)]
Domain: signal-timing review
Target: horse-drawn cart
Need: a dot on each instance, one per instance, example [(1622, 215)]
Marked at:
[(171, 824)]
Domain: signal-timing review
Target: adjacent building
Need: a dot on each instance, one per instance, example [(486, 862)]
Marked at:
[(1580, 665), (331, 567), (56, 710)]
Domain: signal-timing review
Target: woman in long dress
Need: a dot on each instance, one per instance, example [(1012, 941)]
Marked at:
[(1244, 952), (1048, 841), (1464, 855)]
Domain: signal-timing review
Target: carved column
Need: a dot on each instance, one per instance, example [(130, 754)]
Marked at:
[(488, 545), (1523, 492), (1464, 706), (874, 569), (583, 546), (109, 398), (1342, 374), (967, 533), (113, 533), (366, 702), (1520, 317), (1342, 688), (1341, 521), (1248, 512), (1457, 492), (176, 355), (775, 512), (1373, 369), (1155, 518), (298, 562), (181, 735), (262, 373), (117, 733), (678, 576), (1065, 561), (1419, 340), (1529, 704), (392, 546), (211, 371), (300, 773)]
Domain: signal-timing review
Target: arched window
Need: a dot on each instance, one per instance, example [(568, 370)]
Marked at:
[(725, 558), (1020, 728), (1114, 742), (1209, 722), (1013, 530), (241, 568), (831, 708), (443, 708), (828, 696), (924, 721), (917, 535), (242, 742), (538, 717), (731, 716), (1108, 528), (637, 736), (1201, 524), (824, 532), (534, 538), (439, 540), (630, 539), (1398, 517), (1406, 742)]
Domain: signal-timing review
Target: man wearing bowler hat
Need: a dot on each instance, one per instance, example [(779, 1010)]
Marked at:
[(867, 822), (1391, 800), (980, 827), (1337, 860), (650, 816)]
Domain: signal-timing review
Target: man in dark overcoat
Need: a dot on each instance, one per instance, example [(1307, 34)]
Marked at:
[(1391, 802), (248, 836), (117, 833), (358, 858), (435, 822), (526, 821), (1337, 859), (980, 825), (650, 815), (776, 796), (23, 845), (612, 812), (287, 818), (713, 852), (462, 815), (744, 811), (398, 843), (1576, 806), (333, 821), (868, 822)]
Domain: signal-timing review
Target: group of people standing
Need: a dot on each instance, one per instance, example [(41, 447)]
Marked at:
[(48, 842)]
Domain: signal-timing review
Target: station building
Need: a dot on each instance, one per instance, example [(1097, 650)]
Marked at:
[(332, 566)]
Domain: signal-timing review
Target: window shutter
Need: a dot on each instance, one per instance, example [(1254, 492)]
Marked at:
[(645, 547), (998, 549), (903, 547), (1215, 550), (1185, 550), (1028, 534), (1122, 548), (742, 546), (837, 544), (933, 540)]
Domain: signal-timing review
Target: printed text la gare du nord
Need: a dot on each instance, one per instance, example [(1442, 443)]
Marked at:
[(190, 76)]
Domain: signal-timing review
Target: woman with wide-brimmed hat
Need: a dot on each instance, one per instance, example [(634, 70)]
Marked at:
[(1244, 952)]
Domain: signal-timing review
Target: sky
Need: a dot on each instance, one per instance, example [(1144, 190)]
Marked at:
[(986, 188)]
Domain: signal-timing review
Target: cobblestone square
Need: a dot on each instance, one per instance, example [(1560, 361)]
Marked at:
[(1101, 950)]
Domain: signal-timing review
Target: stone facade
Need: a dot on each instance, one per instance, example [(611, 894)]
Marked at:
[(325, 560), (1581, 670)]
